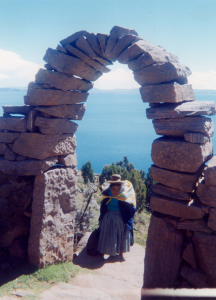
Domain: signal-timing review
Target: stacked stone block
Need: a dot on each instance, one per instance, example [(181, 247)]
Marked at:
[(38, 157)]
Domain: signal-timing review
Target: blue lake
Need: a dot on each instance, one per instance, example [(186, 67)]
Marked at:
[(114, 126)]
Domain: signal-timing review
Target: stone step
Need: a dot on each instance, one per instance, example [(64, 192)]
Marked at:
[(185, 182), (161, 73), (62, 81), (171, 110), (169, 92), (54, 126), (180, 126), (179, 155), (70, 65), (73, 111)]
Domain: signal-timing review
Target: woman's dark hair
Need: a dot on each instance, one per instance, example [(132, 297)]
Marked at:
[(113, 184)]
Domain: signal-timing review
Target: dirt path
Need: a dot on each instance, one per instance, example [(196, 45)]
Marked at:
[(109, 279)]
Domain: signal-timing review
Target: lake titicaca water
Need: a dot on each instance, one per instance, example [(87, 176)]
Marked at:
[(114, 126)]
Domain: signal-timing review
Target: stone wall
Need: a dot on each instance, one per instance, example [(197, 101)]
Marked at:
[(37, 164)]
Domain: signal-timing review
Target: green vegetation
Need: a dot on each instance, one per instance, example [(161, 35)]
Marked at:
[(87, 172), (41, 279)]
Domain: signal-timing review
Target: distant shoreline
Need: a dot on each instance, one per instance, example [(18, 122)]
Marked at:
[(114, 91)]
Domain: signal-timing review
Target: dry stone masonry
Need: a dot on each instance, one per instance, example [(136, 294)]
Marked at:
[(38, 159)]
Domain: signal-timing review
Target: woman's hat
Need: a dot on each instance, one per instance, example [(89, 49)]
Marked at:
[(116, 178)]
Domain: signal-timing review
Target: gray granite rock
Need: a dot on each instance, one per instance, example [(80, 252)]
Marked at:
[(179, 155), (73, 112), (62, 81), (41, 146), (180, 126), (150, 58), (54, 126), (180, 209), (161, 73), (137, 49), (185, 182), (70, 65), (53, 218), (169, 92), (53, 97), (17, 124), (171, 110)]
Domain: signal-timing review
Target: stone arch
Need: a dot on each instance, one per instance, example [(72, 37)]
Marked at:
[(42, 144)]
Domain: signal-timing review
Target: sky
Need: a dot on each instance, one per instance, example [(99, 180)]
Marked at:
[(184, 27)]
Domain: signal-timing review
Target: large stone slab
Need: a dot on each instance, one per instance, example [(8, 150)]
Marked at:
[(53, 97), (197, 138), (212, 219), (163, 254), (70, 39), (189, 256), (180, 126), (170, 110), (28, 167), (16, 124), (53, 217), (210, 172), (54, 126), (84, 46), (102, 39), (194, 225), (204, 247), (41, 146), (62, 81), (182, 181), (161, 73), (17, 109), (207, 194), (91, 62), (8, 137), (137, 49), (180, 209), (164, 190), (73, 112), (122, 43), (94, 43), (150, 58), (179, 155), (3, 147), (196, 278), (70, 65), (169, 92), (115, 33)]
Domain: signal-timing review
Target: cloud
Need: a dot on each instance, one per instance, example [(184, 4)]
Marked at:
[(15, 71), (120, 78), (203, 80)]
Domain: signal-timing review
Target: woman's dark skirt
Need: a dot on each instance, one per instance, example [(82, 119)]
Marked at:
[(114, 235)]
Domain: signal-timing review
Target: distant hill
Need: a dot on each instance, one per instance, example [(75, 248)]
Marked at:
[(114, 91)]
